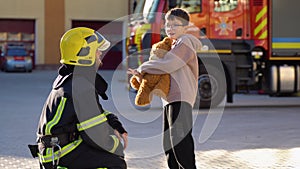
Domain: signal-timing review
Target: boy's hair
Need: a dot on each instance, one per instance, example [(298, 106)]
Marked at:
[(179, 14)]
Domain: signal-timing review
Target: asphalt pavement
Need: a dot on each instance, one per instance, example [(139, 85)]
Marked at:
[(254, 132)]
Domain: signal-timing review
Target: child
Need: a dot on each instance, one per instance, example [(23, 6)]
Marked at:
[(182, 64)]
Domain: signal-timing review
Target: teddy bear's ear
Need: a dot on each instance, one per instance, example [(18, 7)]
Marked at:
[(168, 41)]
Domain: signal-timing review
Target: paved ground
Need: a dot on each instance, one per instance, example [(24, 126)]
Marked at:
[(256, 132)]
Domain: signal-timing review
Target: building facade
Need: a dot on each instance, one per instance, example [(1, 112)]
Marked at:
[(40, 24)]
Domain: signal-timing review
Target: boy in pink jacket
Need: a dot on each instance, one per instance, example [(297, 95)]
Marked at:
[(182, 64)]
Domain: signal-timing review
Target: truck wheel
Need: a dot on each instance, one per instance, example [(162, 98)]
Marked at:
[(211, 87)]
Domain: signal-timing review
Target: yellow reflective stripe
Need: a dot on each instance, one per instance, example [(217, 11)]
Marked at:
[(106, 113), (260, 26), (91, 122), (59, 167), (56, 117), (140, 31), (116, 143), (215, 51), (65, 150), (261, 14), (284, 58), (48, 150), (286, 45), (264, 35), (139, 61)]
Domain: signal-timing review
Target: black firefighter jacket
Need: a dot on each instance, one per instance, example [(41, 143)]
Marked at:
[(73, 107)]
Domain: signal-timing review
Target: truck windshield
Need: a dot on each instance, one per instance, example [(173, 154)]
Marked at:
[(225, 5), (191, 6), (138, 9), (145, 9)]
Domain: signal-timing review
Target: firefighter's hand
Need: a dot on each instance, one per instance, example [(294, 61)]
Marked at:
[(122, 137)]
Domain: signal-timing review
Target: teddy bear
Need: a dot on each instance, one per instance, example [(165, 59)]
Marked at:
[(152, 83)]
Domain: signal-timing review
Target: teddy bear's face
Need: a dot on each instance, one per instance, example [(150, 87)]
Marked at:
[(159, 49)]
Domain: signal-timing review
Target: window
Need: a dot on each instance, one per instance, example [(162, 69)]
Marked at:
[(146, 9), (16, 52), (192, 6), (151, 12), (138, 9), (225, 5)]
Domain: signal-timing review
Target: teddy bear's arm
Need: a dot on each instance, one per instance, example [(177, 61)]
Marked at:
[(147, 85), (134, 83)]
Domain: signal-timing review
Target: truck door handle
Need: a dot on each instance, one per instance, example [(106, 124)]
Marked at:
[(239, 32), (203, 32)]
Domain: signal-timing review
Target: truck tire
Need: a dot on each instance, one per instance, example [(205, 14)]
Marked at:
[(211, 87)]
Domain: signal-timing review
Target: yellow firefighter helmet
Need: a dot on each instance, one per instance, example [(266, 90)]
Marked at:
[(78, 46)]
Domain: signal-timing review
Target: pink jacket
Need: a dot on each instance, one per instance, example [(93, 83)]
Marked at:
[(182, 64)]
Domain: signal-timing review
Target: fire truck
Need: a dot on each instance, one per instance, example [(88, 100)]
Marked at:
[(256, 42)]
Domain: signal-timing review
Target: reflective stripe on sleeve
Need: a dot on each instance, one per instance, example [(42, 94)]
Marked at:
[(56, 117), (48, 150), (106, 113), (91, 122), (116, 143)]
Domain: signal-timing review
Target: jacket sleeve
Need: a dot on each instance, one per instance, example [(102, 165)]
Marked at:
[(101, 86), (114, 122), (93, 126)]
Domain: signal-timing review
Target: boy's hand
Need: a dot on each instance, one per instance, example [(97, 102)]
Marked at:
[(135, 73), (132, 71)]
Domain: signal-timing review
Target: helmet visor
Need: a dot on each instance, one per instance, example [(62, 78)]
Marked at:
[(104, 44)]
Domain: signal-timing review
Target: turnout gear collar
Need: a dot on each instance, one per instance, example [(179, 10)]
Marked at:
[(67, 71), (78, 46)]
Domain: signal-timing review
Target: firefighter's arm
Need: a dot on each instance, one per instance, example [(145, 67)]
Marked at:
[(93, 126), (101, 86), (119, 130), (114, 122), (98, 137)]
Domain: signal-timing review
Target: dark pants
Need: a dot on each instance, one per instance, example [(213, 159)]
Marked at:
[(86, 157), (178, 140)]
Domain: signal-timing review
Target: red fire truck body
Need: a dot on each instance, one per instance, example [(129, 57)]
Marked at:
[(256, 41)]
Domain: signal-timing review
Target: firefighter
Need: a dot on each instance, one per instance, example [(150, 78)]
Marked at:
[(74, 130)]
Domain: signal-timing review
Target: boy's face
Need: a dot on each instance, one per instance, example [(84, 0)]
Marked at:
[(174, 28)]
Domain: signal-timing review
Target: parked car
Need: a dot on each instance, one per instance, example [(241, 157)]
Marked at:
[(15, 58)]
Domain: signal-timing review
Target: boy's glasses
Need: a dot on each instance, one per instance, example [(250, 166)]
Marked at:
[(172, 26)]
